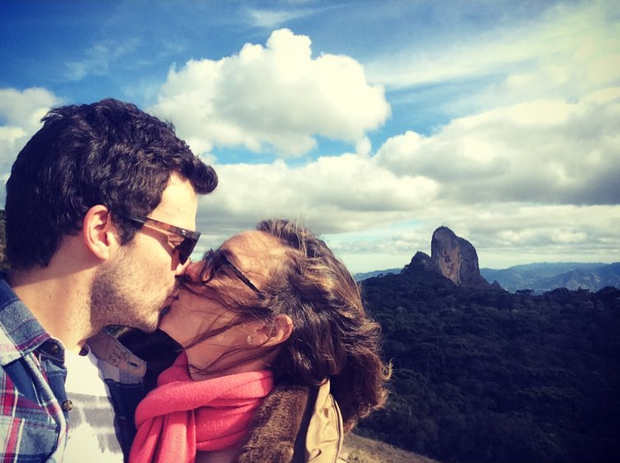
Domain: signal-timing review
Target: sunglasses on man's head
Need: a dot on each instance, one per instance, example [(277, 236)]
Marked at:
[(213, 263), (185, 247)]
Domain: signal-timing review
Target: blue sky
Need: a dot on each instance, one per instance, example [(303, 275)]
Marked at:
[(373, 122)]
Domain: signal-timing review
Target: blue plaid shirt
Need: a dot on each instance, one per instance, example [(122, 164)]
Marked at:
[(33, 403)]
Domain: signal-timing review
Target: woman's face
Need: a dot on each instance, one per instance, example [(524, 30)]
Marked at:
[(252, 254)]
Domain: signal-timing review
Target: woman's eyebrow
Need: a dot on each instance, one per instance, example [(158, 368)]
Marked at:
[(229, 255)]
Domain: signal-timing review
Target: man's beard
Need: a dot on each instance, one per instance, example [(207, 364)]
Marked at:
[(111, 301)]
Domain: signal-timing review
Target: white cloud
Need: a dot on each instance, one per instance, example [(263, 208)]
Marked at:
[(20, 114), (98, 58), (541, 151), (363, 147), (531, 177), (26, 108), (331, 194), (271, 19), (504, 234), (569, 51), (273, 97), (566, 36), (510, 233)]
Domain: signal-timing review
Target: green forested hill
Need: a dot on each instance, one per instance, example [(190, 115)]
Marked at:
[(489, 376)]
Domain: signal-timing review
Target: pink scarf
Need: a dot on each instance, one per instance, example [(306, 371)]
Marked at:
[(182, 416)]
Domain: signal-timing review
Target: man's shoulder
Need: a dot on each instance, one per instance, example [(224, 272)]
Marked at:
[(32, 423), (20, 332)]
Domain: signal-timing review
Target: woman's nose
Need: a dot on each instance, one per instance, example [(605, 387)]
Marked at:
[(192, 270)]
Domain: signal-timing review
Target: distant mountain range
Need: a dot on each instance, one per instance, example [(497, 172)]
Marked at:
[(456, 259), (542, 276), (375, 273)]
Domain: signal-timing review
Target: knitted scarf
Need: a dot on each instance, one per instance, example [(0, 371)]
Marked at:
[(182, 416)]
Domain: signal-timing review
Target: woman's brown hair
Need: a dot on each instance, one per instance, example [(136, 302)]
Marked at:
[(332, 335)]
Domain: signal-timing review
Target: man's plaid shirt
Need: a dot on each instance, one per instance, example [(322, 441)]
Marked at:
[(33, 403)]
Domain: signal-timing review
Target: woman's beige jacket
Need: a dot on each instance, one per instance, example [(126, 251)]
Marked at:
[(295, 425)]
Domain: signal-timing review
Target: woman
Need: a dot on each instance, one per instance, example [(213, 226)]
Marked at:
[(273, 330)]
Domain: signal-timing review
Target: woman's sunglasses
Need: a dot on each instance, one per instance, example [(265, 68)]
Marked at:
[(214, 261)]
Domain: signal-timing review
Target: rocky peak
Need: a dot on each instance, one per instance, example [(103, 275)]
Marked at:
[(451, 256), (422, 261), (456, 259)]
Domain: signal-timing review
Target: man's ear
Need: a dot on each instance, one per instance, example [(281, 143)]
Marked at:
[(272, 335), (100, 235)]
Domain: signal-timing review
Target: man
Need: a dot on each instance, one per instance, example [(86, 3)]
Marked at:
[(100, 211)]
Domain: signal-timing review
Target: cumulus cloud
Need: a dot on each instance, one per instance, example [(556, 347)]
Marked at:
[(504, 234), (540, 151), (531, 177), (20, 115), (493, 177), (332, 194), (541, 233), (25, 108), (274, 97)]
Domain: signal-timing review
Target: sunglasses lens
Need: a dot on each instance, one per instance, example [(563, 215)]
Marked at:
[(185, 249), (207, 273)]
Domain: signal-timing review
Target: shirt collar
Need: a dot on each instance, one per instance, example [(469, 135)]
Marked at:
[(20, 332)]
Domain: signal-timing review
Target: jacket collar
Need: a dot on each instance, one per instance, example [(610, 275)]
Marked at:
[(20, 332)]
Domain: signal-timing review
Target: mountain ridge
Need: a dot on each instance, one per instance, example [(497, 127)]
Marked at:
[(543, 277), (456, 259), (539, 276)]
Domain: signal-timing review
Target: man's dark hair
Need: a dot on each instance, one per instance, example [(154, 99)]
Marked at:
[(108, 153)]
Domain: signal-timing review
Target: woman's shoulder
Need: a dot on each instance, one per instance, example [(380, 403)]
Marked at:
[(325, 429), (295, 424)]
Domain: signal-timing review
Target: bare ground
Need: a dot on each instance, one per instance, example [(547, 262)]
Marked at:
[(359, 449)]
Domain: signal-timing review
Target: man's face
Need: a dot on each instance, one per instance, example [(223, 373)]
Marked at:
[(133, 287)]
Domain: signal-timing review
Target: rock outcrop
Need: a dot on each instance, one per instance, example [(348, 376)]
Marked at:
[(453, 257), (456, 259), (422, 262)]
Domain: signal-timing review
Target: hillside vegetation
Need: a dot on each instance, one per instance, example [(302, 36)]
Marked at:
[(489, 376)]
